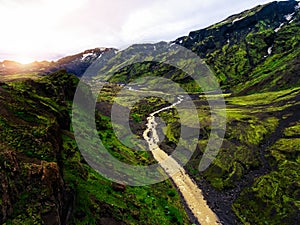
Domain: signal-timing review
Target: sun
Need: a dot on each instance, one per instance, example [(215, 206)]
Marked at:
[(24, 60)]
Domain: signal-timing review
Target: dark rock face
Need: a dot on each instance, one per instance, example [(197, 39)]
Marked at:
[(20, 176), (31, 168), (40, 182), (118, 187)]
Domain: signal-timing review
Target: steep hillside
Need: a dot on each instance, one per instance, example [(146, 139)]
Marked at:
[(45, 180), (257, 50), (256, 173)]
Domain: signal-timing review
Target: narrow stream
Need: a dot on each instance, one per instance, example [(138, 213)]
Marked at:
[(190, 192)]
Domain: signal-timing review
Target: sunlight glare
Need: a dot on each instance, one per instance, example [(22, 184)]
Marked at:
[(24, 60), (34, 29)]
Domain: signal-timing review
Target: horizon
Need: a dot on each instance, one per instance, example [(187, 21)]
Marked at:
[(119, 25)]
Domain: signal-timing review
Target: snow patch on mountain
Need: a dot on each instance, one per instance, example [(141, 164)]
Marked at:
[(238, 19), (270, 50), (84, 56), (289, 17), (292, 20), (278, 28)]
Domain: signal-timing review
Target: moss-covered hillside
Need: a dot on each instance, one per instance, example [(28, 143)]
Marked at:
[(45, 180), (257, 50)]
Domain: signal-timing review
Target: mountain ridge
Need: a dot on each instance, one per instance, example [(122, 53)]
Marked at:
[(246, 51), (235, 47), (76, 64)]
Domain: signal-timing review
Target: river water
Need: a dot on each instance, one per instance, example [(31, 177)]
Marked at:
[(187, 188)]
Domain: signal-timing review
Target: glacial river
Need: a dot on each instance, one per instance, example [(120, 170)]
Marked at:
[(188, 189)]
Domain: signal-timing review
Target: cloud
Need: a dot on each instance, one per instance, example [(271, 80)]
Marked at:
[(43, 28), (171, 18)]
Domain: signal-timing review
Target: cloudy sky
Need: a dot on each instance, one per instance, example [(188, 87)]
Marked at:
[(49, 29)]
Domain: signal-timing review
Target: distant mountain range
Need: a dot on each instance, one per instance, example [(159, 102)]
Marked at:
[(248, 51), (76, 64)]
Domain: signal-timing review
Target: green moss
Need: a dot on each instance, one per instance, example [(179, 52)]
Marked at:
[(273, 198), (156, 204), (292, 131)]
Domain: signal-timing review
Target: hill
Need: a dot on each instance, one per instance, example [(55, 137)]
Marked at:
[(256, 50)]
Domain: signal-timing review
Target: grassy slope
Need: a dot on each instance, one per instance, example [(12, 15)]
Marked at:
[(35, 127), (274, 197), (260, 153), (238, 51)]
